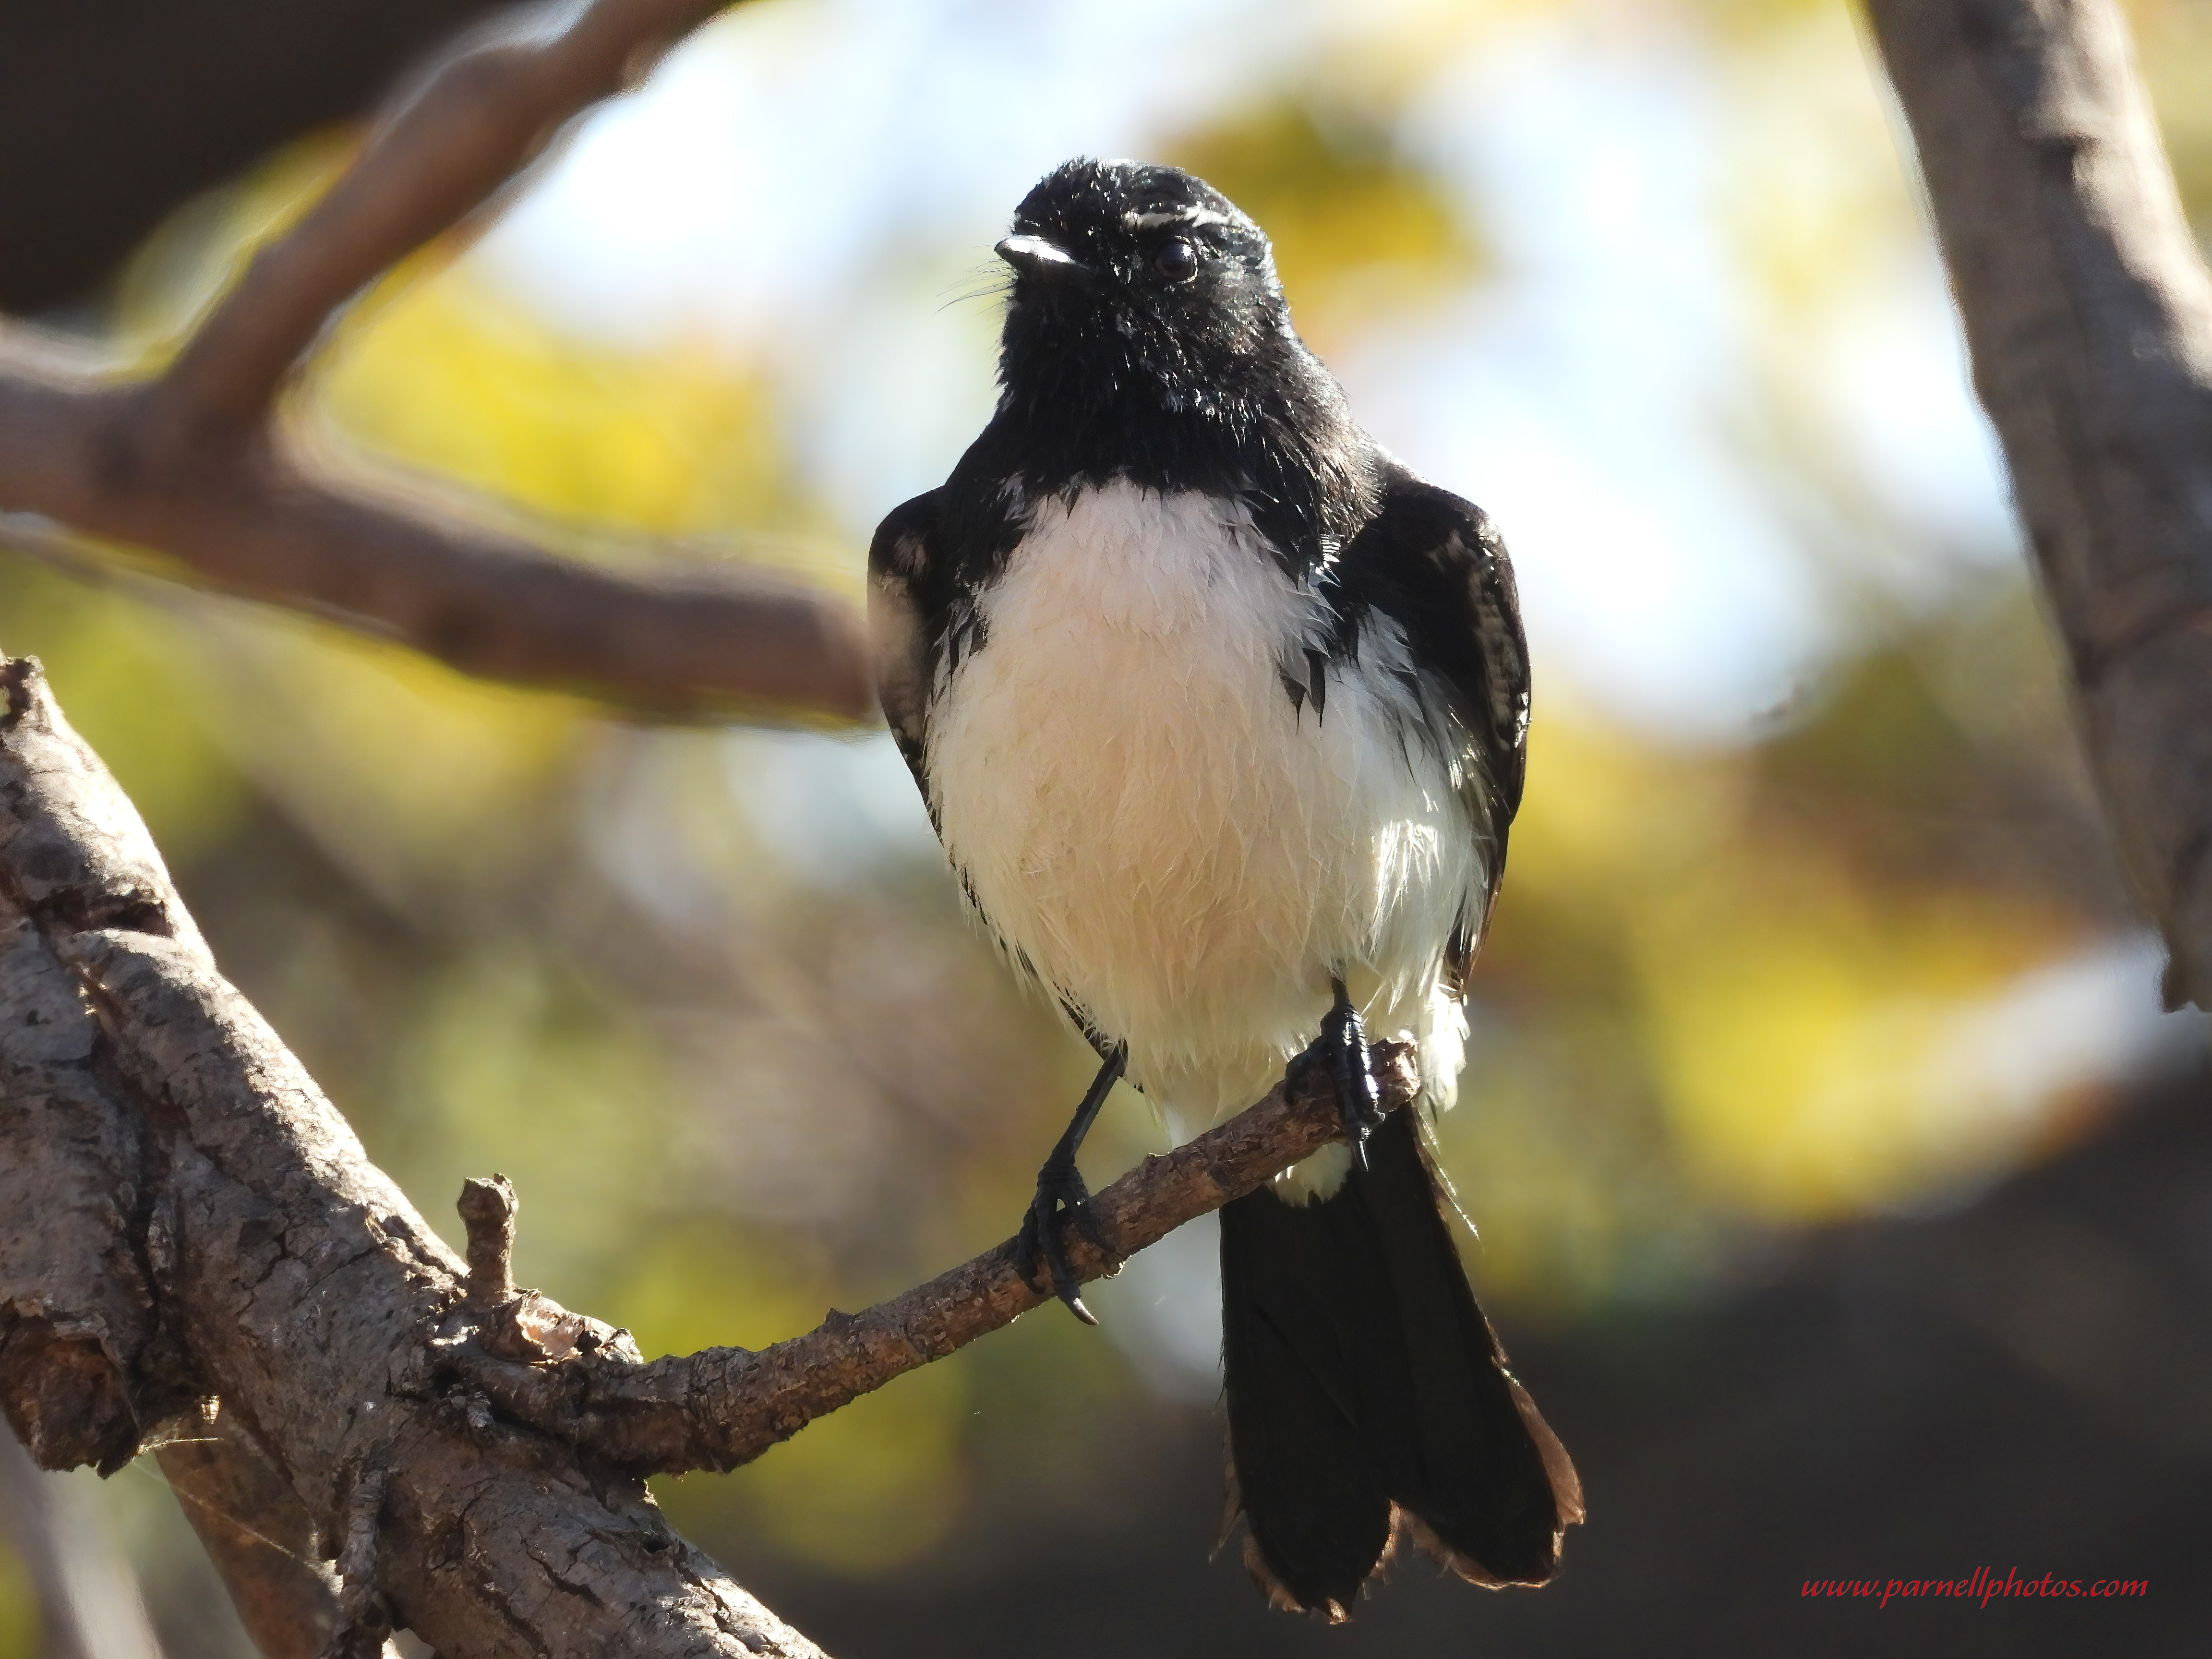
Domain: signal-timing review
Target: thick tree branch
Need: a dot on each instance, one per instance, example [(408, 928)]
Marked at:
[(2088, 313), (191, 466), (183, 1215)]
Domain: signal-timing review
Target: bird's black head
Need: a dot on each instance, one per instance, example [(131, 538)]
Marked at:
[(1155, 266), (1133, 278), (1147, 338)]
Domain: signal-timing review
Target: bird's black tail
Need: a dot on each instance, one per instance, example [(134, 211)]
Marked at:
[(1368, 1398)]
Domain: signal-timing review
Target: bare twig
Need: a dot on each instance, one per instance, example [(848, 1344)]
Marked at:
[(487, 1210), (191, 466), (723, 1406), (2088, 311)]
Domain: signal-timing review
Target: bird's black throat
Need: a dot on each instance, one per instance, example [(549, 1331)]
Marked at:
[(1197, 386), (1273, 433)]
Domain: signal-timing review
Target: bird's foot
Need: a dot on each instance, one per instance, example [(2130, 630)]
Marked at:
[(1342, 1048), (1061, 1196)]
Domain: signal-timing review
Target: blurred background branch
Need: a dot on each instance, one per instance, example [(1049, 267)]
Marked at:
[(189, 464), (113, 111), (258, 1536)]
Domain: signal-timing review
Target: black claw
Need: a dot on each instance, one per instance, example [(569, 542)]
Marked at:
[(1061, 1196)]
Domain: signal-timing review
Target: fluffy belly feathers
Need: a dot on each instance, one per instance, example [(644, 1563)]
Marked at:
[(1146, 817)]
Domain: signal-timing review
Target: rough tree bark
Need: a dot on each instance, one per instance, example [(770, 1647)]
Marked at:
[(2088, 313), (184, 1217)]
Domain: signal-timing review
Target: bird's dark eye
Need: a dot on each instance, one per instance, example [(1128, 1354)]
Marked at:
[(1177, 261)]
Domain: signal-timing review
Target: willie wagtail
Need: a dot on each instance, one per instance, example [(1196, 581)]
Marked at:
[(1220, 714)]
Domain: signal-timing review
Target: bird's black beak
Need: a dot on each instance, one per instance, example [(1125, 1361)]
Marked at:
[(1049, 262)]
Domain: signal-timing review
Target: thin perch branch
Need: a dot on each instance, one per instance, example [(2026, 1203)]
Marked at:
[(193, 465), (724, 1407)]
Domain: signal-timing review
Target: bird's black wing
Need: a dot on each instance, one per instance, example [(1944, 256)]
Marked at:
[(907, 606), (1436, 566)]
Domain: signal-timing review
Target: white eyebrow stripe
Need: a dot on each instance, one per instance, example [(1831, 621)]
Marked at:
[(1174, 217)]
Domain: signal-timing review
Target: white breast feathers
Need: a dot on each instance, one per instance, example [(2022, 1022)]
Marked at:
[(1148, 820)]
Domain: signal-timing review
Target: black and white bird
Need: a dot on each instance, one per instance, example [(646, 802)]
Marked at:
[(1220, 713)]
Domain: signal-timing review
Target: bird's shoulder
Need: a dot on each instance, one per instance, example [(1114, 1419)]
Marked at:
[(1435, 565)]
